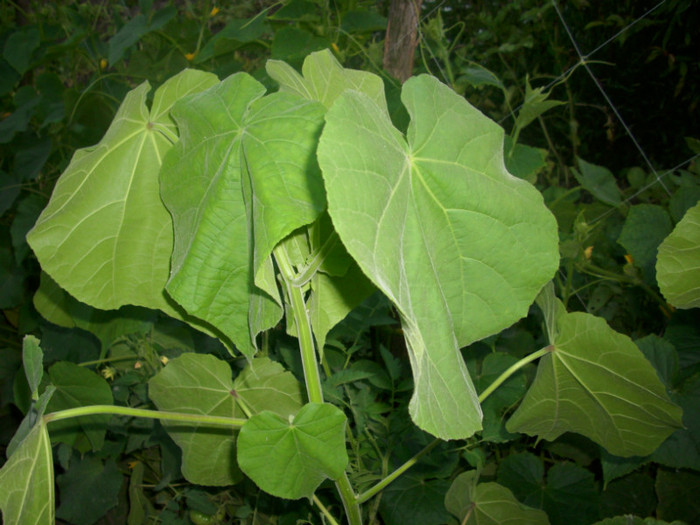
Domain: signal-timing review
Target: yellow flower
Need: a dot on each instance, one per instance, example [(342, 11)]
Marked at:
[(164, 360), (214, 11), (629, 258), (190, 56), (103, 63), (588, 252), (335, 47)]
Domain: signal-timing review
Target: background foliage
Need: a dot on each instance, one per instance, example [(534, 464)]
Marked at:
[(617, 167)]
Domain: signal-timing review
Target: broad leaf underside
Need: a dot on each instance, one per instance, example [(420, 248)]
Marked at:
[(596, 382), (458, 244), (105, 236)]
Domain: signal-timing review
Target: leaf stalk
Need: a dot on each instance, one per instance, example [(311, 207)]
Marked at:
[(93, 410), (511, 370)]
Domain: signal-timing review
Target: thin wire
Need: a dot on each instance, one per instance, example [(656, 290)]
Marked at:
[(645, 188), (624, 29), (584, 63), (604, 44)]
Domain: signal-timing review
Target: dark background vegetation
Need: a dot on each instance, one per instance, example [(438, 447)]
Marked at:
[(65, 67)]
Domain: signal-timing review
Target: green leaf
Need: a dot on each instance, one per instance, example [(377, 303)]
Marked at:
[(646, 226), (58, 307), (140, 507), (77, 386), (663, 357), (677, 267), (362, 22), (488, 503), (28, 209), (333, 297), (635, 520), (26, 481), (632, 494), (289, 458), (89, 475), (20, 46), (599, 181), (596, 382), (200, 384), (476, 75), (266, 385), (34, 413), (569, 495), (502, 399), (615, 467), (460, 246), (33, 359), (235, 34), (105, 236), (677, 493), (11, 275), (282, 186), (534, 105), (682, 448), (293, 44), (324, 79), (524, 161), (413, 500), (211, 274), (9, 190), (135, 29)]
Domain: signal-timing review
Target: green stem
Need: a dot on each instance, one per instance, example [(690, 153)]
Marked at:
[(303, 325), (312, 376), (510, 371), (391, 477), (139, 412), (324, 510), (350, 500), (110, 360)]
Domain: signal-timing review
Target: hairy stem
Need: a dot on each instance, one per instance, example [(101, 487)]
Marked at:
[(309, 361), (140, 412), (303, 326)]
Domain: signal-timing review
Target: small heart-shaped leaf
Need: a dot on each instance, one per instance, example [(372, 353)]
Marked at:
[(290, 459)]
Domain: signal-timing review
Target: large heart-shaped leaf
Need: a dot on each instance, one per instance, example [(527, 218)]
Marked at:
[(265, 385), (201, 187), (596, 382), (324, 79), (678, 263), (459, 245), (476, 503), (283, 186), (200, 384), (289, 458), (26, 481), (105, 235), (333, 293), (242, 177)]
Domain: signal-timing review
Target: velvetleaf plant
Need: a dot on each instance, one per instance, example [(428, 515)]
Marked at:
[(231, 209)]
